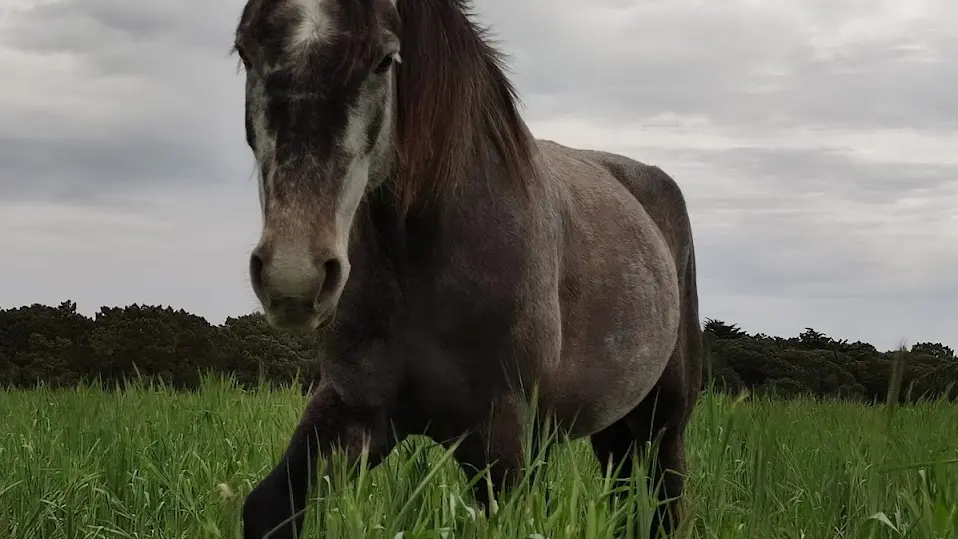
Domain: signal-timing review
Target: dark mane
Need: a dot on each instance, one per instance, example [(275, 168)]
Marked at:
[(455, 104)]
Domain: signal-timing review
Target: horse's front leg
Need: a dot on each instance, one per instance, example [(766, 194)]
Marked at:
[(494, 446), (276, 507)]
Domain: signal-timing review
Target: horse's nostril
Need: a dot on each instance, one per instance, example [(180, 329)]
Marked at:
[(256, 270), (332, 271)]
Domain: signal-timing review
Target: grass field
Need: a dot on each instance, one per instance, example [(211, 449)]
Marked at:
[(154, 463)]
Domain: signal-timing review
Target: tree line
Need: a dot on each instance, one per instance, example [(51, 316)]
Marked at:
[(59, 347)]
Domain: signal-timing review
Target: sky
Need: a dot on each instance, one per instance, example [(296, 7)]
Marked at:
[(816, 142)]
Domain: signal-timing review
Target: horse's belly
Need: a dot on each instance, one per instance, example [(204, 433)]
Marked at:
[(591, 400), (619, 333), (618, 295)]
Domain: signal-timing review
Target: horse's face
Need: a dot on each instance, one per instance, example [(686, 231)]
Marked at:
[(320, 93)]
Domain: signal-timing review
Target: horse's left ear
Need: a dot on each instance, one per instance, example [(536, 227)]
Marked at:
[(396, 57)]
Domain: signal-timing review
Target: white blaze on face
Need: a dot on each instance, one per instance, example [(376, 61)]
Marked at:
[(314, 26), (262, 190), (357, 177), (264, 149)]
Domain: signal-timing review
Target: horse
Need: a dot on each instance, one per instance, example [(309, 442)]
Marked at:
[(453, 265)]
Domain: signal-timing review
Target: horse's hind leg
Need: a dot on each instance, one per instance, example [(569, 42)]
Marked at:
[(662, 413), (658, 421), (615, 446)]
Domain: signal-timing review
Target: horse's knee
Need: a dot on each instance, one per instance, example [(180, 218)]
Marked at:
[(494, 472), (497, 449)]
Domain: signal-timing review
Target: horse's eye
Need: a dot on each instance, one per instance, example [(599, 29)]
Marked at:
[(387, 63)]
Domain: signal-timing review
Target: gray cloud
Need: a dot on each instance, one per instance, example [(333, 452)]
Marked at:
[(119, 96), (87, 25), (851, 64), (77, 167), (815, 142)]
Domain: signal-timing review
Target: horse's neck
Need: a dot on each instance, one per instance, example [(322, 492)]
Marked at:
[(385, 243), (410, 241)]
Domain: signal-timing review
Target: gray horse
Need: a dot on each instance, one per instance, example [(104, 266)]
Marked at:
[(453, 261)]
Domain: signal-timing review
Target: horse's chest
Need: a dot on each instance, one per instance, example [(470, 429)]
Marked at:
[(438, 398)]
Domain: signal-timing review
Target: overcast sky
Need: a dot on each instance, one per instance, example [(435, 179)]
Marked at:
[(815, 140)]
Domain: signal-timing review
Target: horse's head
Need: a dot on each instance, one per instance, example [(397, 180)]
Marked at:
[(320, 120)]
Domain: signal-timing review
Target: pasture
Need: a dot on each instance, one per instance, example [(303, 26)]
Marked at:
[(147, 462)]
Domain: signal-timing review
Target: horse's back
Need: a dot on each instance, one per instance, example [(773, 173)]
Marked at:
[(619, 291), (659, 195)]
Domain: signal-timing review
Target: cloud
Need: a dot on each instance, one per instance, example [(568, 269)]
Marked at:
[(186, 248), (113, 95), (815, 141), (874, 64)]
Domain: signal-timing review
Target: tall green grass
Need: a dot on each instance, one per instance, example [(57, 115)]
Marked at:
[(150, 462)]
